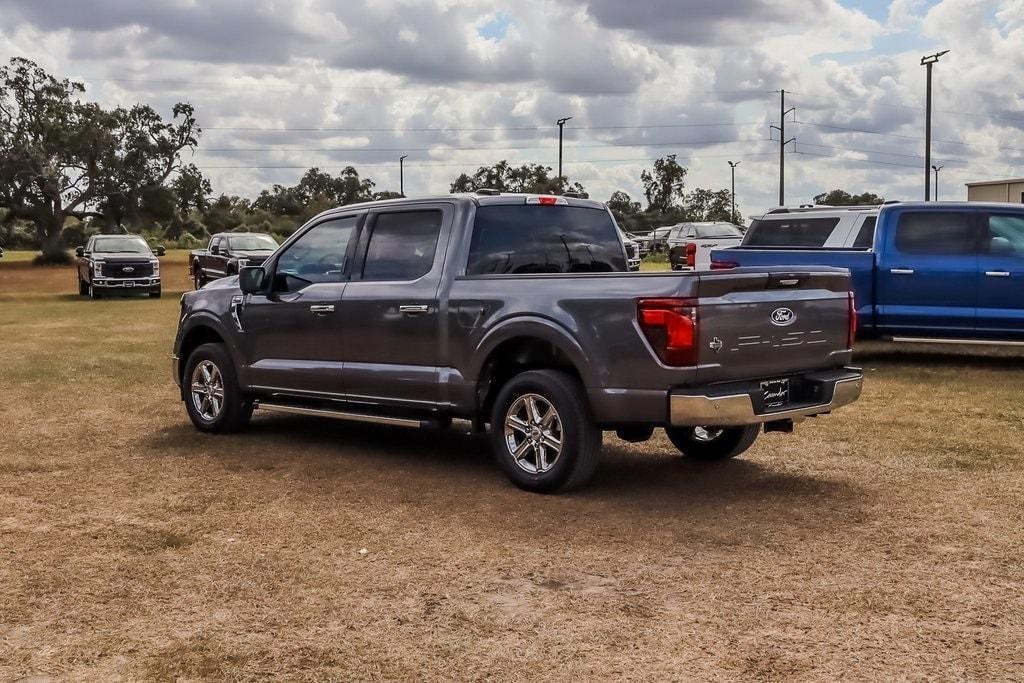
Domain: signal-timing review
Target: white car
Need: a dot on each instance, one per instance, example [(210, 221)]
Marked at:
[(822, 227), (690, 244)]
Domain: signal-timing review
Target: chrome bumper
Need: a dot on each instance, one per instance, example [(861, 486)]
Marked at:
[(127, 282), (687, 410)]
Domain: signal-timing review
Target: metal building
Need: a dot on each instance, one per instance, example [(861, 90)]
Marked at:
[(997, 191)]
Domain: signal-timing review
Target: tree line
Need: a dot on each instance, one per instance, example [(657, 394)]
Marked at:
[(69, 167)]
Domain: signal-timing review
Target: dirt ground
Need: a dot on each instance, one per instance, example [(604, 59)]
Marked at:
[(883, 542)]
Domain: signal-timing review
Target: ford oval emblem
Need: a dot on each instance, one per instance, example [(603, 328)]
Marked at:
[(783, 316), (128, 269)]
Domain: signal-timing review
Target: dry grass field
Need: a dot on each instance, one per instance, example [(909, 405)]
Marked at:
[(883, 542)]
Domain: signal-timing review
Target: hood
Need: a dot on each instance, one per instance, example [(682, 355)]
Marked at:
[(113, 257), (258, 253), (230, 282)]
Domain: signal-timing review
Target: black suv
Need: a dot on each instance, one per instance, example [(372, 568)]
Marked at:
[(112, 263)]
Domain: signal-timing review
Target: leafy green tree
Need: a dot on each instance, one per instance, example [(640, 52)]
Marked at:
[(62, 158), (844, 198), (709, 205), (663, 185), (504, 177), (191, 190)]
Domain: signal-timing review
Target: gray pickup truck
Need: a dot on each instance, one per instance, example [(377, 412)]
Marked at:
[(227, 253), (517, 312)]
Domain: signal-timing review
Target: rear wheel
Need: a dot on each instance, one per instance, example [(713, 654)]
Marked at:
[(213, 399), (712, 443), (542, 432)]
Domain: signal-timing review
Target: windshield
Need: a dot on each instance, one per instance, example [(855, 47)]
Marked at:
[(718, 230), (252, 243), (121, 245)]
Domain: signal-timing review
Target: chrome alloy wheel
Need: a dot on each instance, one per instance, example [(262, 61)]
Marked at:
[(706, 433), (207, 390), (533, 433)]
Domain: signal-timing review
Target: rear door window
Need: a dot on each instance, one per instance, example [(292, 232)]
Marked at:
[(527, 239), (402, 245), (794, 231), (866, 236), (1005, 236), (936, 232)]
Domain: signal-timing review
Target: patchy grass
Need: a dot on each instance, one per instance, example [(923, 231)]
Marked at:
[(881, 542)]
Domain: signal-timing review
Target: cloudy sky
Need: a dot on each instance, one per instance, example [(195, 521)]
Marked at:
[(281, 85)]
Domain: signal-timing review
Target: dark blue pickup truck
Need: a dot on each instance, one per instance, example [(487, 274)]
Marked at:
[(930, 271)]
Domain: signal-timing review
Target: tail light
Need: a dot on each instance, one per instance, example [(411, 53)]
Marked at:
[(670, 326), (547, 200), (724, 265), (851, 333), (691, 255)]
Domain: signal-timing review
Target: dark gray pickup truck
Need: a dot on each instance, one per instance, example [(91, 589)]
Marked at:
[(227, 253), (514, 311)]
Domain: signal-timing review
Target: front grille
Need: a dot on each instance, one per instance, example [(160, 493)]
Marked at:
[(133, 269)]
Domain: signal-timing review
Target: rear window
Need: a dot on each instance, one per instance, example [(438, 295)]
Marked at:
[(708, 231), (866, 236), (795, 231), (936, 232), (526, 239)]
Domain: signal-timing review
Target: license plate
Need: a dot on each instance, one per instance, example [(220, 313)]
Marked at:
[(129, 284), (775, 393)]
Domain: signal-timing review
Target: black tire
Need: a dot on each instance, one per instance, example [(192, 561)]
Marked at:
[(93, 292), (580, 437), (155, 294), (197, 277), (236, 408), (728, 443), (83, 288)]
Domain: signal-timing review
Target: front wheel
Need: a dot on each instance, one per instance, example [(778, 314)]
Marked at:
[(542, 432), (712, 443), (213, 399), (83, 288), (155, 294), (197, 278), (93, 292)]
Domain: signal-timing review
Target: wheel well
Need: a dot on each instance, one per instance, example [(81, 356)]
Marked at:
[(512, 357), (195, 338)]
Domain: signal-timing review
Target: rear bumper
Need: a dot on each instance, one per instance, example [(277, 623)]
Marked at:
[(738, 404)]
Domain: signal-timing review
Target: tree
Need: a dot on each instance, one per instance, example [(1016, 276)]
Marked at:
[(191, 190), (663, 186), (62, 158), (844, 198), (709, 205), (504, 177)]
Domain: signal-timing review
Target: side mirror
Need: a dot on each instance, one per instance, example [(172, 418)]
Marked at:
[(160, 251), (215, 250), (251, 279), (79, 251)]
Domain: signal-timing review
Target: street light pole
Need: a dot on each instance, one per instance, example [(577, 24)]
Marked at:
[(732, 166), (401, 174), (937, 169), (561, 126), (928, 62)]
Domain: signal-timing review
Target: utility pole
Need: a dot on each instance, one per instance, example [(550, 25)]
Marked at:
[(928, 62), (937, 169), (733, 165), (782, 144), (561, 126), (401, 174)]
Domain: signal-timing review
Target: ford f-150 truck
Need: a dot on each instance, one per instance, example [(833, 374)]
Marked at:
[(921, 271), (227, 253), (515, 311)]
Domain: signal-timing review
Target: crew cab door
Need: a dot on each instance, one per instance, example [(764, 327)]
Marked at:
[(392, 308), (926, 280), (292, 335), (1001, 275)]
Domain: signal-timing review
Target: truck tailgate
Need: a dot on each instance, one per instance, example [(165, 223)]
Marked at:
[(763, 324)]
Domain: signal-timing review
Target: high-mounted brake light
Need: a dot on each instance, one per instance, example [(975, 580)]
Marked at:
[(691, 255), (851, 334), (670, 326), (546, 200), (724, 265)]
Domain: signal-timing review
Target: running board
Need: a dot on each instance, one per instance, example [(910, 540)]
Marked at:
[(968, 342), (344, 415)]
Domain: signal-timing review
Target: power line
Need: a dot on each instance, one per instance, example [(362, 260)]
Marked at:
[(686, 143), (862, 101), (494, 129), (906, 137)]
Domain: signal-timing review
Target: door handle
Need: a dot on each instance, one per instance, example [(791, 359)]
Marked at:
[(901, 271), (413, 309), (321, 309), (997, 273)]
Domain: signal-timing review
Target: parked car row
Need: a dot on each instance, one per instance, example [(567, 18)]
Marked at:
[(950, 271)]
